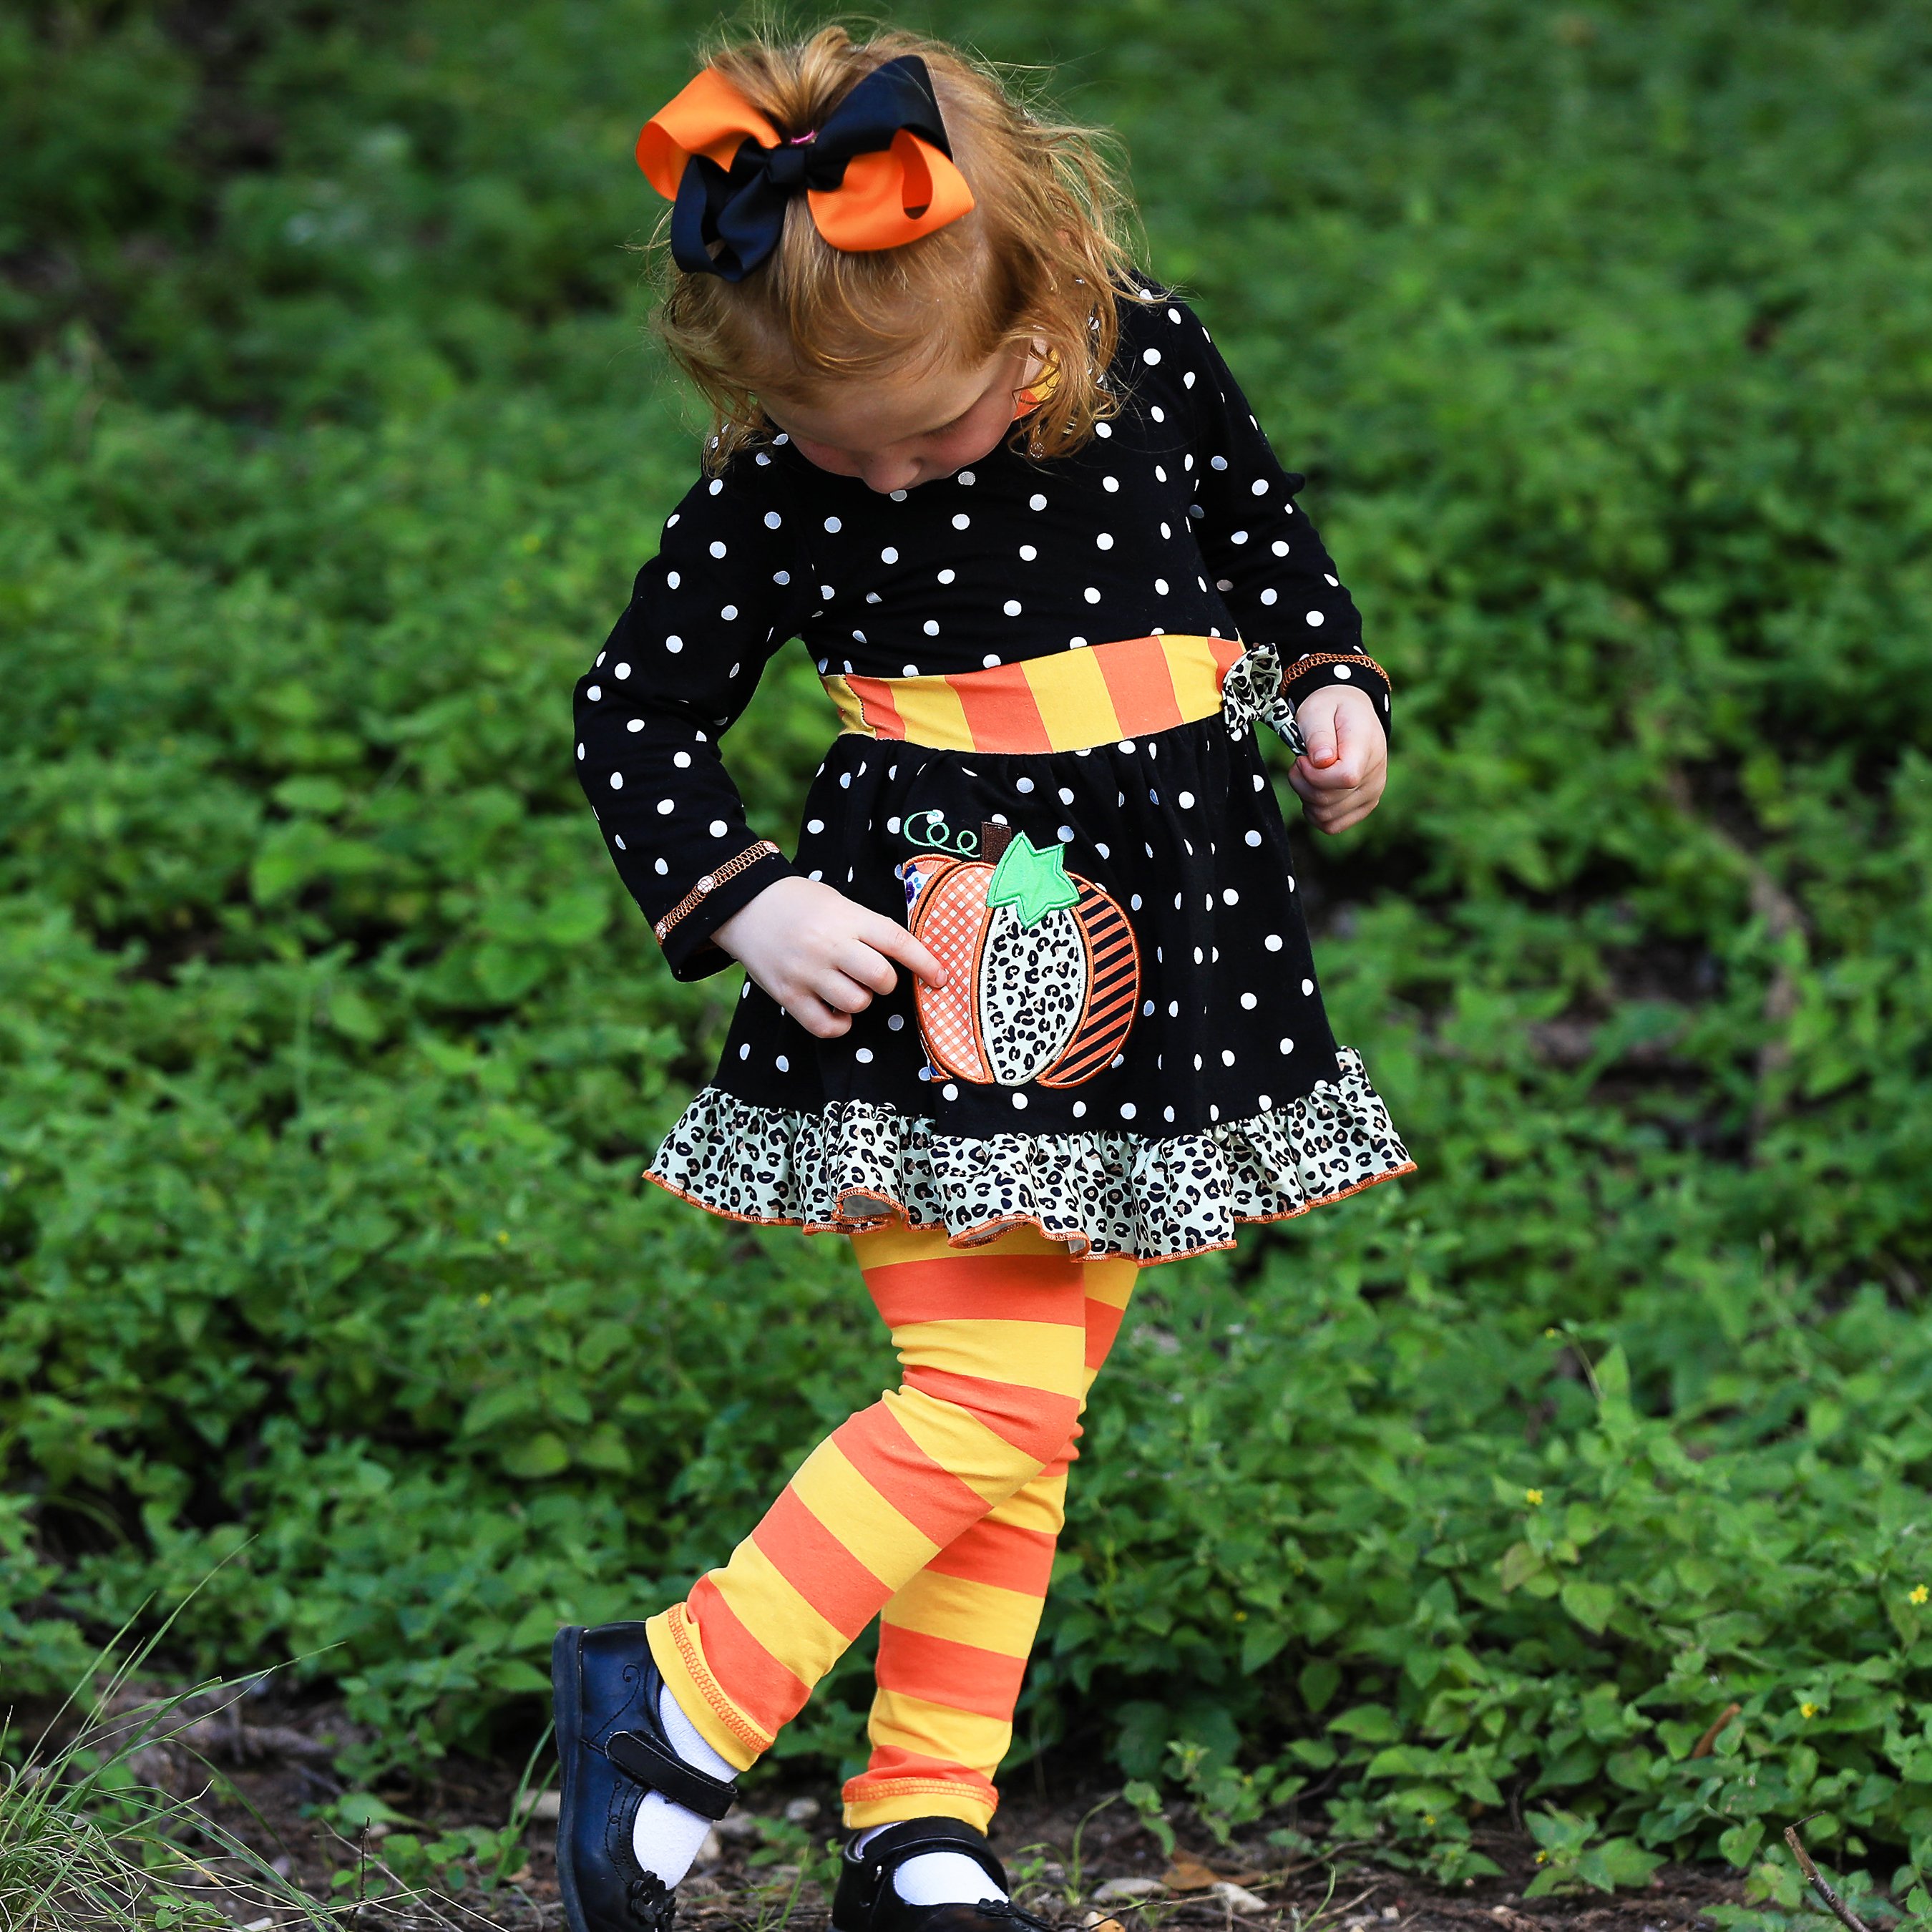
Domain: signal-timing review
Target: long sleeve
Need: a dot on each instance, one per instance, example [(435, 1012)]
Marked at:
[(725, 590), (1267, 560)]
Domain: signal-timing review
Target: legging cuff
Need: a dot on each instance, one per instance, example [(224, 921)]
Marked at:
[(679, 1657)]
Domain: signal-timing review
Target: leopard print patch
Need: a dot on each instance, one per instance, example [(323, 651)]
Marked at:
[(856, 1163)]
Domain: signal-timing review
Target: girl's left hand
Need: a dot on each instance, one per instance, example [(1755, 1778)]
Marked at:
[(1341, 776)]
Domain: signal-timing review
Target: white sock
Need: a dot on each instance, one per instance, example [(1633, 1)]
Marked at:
[(665, 1837), (939, 1878)]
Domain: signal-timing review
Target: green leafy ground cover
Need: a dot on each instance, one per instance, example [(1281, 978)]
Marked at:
[(328, 1048)]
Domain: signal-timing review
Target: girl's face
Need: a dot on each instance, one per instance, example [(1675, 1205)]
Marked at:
[(899, 432)]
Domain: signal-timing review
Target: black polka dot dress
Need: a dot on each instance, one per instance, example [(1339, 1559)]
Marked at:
[(1047, 674)]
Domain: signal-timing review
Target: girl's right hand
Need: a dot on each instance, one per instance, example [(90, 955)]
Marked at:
[(822, 956)]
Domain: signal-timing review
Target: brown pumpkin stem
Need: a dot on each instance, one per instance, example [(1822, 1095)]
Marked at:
[(994, 840)]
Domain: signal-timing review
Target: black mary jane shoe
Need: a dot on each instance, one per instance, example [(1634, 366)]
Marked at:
[(867, 1900), (613, 1750)]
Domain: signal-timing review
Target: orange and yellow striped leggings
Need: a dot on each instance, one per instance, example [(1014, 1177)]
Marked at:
[(936, 1510)]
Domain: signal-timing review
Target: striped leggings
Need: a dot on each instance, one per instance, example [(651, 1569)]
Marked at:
[(936, 1510)]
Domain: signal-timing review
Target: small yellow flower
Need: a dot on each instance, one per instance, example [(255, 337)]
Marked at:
[(1550, 1334), (1429, 1817), (502, 1234), (483, 1300), (1240, 1616), (1807, 1710), (1542, 1858), (1919, 1594), (1532, 1497)]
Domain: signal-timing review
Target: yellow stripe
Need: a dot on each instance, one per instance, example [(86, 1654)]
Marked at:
[(934, 1799), (774, 1613), (1111, 1280), (983, 1615), (1042, 1355), (851, 716), (960, 1442), (1075, 704), (881, 1247), (874, 1533), (1041, 1505), (738, 1741), (933, 1730), (1197, 678), (930, 709)]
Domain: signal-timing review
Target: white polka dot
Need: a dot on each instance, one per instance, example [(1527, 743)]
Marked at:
[(930, 627), (1287, 1046), (781, 577), (1230, 897), (1260, 486), (826, 593), (1218, 462), (666, 807), (1254, 838), (967, 477), (637, 725), (1076, 643), (1185, 800), (718, 828), (951, 1092), (1227, 1057), (1023, 784), (1307, 988), (1080, 1110), (744, 1051), (1263, 1102), (814, 826), (947, 576), (1134, 903), (832, 524), (674, 580), (1027, 553), (1160, 586), (783, 1065), (1035, 502), (1279, 547), (717, 483), (1103, 430), (1011, 607), (864, 1056), (1151, 356), (1335, 582), (1269, 595), (1092, 595), (1110, 483), (961, 521), (594, 692), (1127, 1110), (1239, 537), (663, 867), (1067, 834), (717, 548), (909, 671), (1104, 540), (1272, 942), (1316, 618), (772, 520), (897, 496), (889, 555), (1127, 745), (674, 645), (990, 661), (617, 839), (895, 1022), (1341, 671), (730, 611), (1167, 1113)]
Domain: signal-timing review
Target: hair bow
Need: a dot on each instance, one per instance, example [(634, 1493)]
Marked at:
[(879, 173)]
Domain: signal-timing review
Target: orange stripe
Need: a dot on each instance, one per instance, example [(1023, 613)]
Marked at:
[(1103, 1323), (1143, 688), (1034, 1421), (1227, 651), (812, 1560), (890, 1762), (875, 705), (961, 1676), (755, 1681), (1001, 1287), (935, 1502), (998, 1552), (1001, 711)]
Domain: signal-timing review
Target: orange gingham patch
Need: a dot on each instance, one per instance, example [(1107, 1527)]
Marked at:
[(950, 919)]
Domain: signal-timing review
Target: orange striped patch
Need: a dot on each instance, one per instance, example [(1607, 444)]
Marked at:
[(961, 1288), (1034, 1421), (1067, 701), (768, 1693), (813, 1561), (998, 1552), (936, 1502)]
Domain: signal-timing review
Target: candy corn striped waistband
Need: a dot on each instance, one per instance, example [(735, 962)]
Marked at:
[(1066, 702)]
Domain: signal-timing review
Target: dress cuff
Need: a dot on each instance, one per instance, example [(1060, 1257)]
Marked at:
[(1311, 672), (684, 931)]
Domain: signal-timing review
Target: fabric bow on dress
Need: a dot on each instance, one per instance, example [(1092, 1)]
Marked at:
[(878, 174)]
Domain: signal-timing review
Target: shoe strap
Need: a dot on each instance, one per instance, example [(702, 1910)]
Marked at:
[(898, 1842), (643, 1758)]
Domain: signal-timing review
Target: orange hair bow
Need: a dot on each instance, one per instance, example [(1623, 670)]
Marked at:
[(878, 174)]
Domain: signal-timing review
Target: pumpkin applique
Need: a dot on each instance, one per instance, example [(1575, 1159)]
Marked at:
[(1043, 969)]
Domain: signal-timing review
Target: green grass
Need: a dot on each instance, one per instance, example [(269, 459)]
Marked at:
[(329, 1049)]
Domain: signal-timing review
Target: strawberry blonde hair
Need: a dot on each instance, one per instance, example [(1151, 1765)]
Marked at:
[(1041, 259)]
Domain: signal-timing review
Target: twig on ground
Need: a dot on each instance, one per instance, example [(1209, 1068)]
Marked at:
[(1836, 1906), (1708, 1742)]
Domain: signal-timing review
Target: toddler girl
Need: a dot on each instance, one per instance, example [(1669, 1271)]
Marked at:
[(1033, 1006)]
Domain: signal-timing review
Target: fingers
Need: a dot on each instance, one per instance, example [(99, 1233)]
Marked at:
[(1317, 720), (896, 942)]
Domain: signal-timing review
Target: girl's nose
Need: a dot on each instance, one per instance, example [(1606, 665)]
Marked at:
[(882, 473)]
